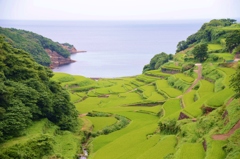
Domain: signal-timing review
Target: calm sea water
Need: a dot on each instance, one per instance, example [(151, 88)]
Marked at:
[(114, 48)]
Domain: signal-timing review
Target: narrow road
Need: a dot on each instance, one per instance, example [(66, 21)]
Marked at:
[(227, 135), (199, 72)]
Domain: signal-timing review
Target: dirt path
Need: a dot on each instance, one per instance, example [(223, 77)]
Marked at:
[(225, 136), (82, 115), (199, 72), (229, 101)]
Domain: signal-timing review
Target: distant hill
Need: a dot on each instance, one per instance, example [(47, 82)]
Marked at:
[(40, 48), (214, 34)]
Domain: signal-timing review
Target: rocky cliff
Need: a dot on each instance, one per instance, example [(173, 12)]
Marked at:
[(57, 60)]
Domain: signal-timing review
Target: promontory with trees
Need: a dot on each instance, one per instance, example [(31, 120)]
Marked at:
[(182, 106)]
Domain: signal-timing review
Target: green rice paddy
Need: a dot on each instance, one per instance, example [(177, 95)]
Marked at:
[(141, 99), (144, 100)]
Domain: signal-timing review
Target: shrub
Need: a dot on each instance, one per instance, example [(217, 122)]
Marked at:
[(168, 126)]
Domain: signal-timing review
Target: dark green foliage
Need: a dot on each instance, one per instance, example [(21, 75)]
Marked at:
[(209, 32), (99, 114), (28, 94), (187, 66), (146, 68), (157, 61), (168, 126), (235, 82), (232, 148), (121, 123), (233, 40), (182, 45), (33, 43), (200, 52), (35, 148)]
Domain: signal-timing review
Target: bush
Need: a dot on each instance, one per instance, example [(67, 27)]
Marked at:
[(168, 126)]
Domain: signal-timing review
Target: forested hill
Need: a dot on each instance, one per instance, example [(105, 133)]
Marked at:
[(214, 41), (27, 94), (34, 44)]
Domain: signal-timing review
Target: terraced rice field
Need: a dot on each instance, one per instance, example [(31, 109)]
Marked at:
[(144, 100)]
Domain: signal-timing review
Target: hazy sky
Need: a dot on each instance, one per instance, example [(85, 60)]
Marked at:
[(118, 9)]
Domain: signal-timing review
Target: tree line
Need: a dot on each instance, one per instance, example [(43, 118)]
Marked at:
[(28, 94), (33, 43)]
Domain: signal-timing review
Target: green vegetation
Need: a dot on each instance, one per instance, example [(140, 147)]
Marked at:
[(212, 47), (200, 52), (235, 83), (153, 115), (33, 43), (157, 61), (27, 94), (233, 40)]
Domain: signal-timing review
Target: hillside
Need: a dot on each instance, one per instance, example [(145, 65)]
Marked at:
[(178, 108), (29, 96), (221, 37), (43, 50)]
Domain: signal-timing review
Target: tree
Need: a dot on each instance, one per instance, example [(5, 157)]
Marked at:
[(233, 40), (200, 52), (27, 94), (234, 82), (182, 45)]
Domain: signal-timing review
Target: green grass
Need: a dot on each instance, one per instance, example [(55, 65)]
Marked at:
[(179, 57), (145, 79), (164, 147), (147, 89), (66, 144), (228, 72), (156, 97), (225, 56), (101, 122), (171, 65), (171, 106), (215, 150), (194, 109), (74, 97), (162, 83), (205, 87), (157, 73), (220, 98), (184, 77), (141, 147), (130, 97), (63, 77), (162, 86), (188, 98), (191, 151), (212, 47), (125, 139), (171, 92)]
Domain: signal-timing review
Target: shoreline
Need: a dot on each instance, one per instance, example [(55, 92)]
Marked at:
[(78, 52)]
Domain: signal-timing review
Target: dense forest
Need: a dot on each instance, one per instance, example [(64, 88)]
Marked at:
[(34, 44), (28, 94)]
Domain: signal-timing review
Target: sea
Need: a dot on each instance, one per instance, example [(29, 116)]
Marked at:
[(113, 48)]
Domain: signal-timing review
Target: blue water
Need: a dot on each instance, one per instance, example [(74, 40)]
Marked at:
[(114, 48)]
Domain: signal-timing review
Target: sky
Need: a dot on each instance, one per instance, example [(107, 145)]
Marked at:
[(118, 9)]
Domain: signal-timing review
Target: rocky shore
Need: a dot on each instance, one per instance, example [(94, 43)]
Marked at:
[(58, 60)]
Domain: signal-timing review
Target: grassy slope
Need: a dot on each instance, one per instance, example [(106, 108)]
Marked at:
[(134, 140)]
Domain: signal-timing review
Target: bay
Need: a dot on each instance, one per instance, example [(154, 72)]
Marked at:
[(114, 48)]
